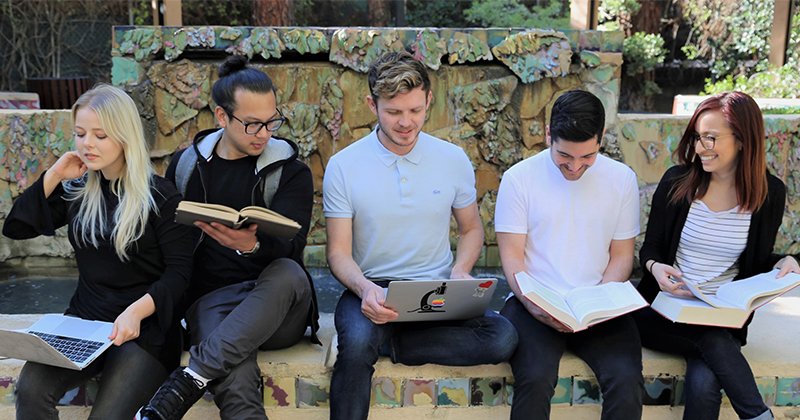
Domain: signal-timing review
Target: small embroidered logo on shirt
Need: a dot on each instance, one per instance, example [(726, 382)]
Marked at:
[(436, 192)]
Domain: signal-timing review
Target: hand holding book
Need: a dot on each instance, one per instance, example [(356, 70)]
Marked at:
[(733, 303), (581, 307), (268, 221), (669, 279)]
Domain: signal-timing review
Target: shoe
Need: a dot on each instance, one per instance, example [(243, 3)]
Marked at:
[(175, 397)]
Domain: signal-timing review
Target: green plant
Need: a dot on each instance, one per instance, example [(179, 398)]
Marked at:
[(616, 15), (778, 82), (732, 36), (512, 13), (642, 52), (793, 47), (437, 13)]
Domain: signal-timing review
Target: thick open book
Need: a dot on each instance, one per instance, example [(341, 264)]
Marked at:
[(267, 220), (732, 305), (582, 307)]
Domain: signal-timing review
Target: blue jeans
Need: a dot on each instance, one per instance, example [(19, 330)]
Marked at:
[(130, 376), (487, 339), (229, 325), (612, 349), (714, 361)]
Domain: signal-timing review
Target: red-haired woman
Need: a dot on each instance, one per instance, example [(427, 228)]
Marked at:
[(713, 220)]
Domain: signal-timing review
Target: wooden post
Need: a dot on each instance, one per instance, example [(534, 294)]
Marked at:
[(172, 13), (781, 21), (583, 14), (154, 7)]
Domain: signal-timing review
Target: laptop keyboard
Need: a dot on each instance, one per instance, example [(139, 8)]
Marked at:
[(75, 349)]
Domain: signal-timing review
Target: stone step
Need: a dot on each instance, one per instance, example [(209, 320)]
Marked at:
[(297, 380)]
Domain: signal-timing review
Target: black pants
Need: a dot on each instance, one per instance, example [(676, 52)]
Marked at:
[(229, 325)]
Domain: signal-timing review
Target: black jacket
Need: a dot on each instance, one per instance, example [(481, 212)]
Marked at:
[(293, 199), (160, 261), (666, 222)]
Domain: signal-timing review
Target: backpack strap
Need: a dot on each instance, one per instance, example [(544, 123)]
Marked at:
[(271, 185), (183, 171)]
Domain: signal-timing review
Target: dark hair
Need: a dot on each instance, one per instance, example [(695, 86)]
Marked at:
[(396, 72), (235, 74), (744, 117), (577, 116)]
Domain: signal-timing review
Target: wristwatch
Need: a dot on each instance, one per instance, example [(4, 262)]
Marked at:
[(250, 252)]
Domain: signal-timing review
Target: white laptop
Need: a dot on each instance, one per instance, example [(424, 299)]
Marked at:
[(439, 300), (58, 340)]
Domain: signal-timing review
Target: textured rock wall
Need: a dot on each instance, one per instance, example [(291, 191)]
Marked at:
[(30, 141), (493, 90)]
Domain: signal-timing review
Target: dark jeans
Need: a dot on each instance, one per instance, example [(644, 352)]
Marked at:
[(714, 361), (229, 325), (612, 349), (487, 339), (130, 376)]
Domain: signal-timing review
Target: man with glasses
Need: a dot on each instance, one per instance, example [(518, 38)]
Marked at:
[(249, 290)]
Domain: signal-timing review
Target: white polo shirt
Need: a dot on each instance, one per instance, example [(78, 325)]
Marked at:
[(400, 205), (569, 224)]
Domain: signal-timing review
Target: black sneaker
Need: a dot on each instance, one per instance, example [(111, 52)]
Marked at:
[(175, 397)]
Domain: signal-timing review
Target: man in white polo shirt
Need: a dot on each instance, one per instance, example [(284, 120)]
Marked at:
[(387, 199), (568, 217)]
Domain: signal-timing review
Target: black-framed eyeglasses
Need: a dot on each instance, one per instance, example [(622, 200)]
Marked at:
[(708, 141), (253, 128)]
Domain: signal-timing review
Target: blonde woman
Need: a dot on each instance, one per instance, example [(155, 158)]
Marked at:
[(133, 261)]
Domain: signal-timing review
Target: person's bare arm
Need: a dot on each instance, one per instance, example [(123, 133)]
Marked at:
[(345, 269), (620, 262), (512, 256), (470, 240)]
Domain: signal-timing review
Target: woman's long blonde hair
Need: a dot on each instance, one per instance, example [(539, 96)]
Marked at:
[(120, 120)]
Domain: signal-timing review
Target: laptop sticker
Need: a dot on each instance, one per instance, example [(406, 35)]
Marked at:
[(482, 288), (428, 304)]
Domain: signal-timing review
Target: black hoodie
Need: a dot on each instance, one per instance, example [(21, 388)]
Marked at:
[(217, 266)]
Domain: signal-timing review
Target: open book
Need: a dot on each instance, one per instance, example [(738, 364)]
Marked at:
[(582, 307), (267, 220), (732, 305)]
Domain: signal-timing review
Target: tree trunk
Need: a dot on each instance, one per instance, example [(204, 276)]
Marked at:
[(272, 13), (648, 19), (379, 12)]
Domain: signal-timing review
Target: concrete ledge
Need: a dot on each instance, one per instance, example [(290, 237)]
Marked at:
[(296, 380)]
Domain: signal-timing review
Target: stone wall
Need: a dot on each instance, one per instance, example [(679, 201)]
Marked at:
[(30, 141), (493, 90)]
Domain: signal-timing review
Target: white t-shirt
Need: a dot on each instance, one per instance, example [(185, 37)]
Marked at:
[(400, 205), (569, 224)]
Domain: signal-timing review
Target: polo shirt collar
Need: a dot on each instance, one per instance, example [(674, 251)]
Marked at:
[(388, 158)]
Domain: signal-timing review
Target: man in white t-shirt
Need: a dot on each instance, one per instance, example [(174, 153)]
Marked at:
[(568, 217), (388, 199)]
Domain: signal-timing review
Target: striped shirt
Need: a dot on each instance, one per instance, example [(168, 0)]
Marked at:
[(710, 246)]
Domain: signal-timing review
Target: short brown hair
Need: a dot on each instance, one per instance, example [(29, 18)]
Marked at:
[(396, 72)]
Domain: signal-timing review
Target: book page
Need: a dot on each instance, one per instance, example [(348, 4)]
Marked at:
[(530, 286), (742, 293), (603, 301), (712, 300), (255, 212), (190, 205)]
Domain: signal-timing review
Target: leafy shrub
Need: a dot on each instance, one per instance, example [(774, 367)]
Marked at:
[(642, 52), (781, 82), (511, 13)]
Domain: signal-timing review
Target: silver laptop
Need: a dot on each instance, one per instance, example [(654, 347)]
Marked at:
[(58, 340), (439, 300)]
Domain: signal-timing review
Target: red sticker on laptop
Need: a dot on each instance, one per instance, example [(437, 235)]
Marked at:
[(486, 284)]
